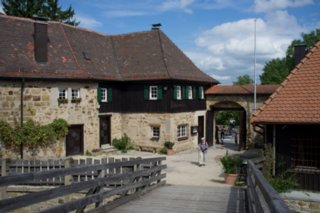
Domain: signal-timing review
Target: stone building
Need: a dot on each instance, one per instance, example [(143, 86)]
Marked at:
[(140, 84)]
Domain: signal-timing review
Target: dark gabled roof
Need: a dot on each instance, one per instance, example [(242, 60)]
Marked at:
[(241, 89), (297, 100), (77, 53)]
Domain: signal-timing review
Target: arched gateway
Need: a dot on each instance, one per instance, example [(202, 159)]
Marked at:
[(236, 98)]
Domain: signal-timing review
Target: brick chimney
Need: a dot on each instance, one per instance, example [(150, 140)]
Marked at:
[(41, 39), (299, 53)]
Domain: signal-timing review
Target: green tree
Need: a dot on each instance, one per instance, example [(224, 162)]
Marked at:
[(41, 8), (242, 80), (224, 117), (276, 70)]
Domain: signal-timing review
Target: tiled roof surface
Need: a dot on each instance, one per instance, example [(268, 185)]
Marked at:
[(78, 53), (240, 89), (297, 100)]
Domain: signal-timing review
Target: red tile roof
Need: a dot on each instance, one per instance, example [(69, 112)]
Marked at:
[(78, 53), (297, 100), (240, 89)]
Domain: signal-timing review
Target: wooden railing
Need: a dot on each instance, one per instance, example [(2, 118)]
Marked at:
[(105, 184), (260, 194)]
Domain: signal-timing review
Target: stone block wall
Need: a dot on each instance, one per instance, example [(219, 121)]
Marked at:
[(40, 103), (138, 127)]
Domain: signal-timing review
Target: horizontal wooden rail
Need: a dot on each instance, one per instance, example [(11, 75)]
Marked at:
[(123, 178), (261, 196)]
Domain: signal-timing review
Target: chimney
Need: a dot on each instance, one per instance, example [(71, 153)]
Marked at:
[(156, 26), (41, 39), (299, 53)]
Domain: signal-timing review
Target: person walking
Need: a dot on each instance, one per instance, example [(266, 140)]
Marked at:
[(203, 147)]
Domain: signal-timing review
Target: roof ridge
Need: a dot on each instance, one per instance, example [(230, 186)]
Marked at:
[(115, 58), (287, 79), (162, 53)]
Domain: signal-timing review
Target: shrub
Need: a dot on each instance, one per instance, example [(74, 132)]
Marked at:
[(283, 184), (168, 144), (123, 144), (31, 134), (231, 164), (163, 151)]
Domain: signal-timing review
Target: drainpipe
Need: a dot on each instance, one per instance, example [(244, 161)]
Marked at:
[(21, 113), (274, 151)]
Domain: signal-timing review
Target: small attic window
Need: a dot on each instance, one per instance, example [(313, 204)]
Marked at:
[(86, 56)]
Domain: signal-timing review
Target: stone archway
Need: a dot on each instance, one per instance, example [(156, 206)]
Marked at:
[(232, 106)]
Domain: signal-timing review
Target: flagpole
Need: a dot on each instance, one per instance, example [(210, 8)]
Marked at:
[(254, 70)]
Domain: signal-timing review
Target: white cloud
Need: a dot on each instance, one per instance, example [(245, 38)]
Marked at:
[(271, 5), (1, 9), (177, 4), (220, 78), (227, 49), (88, 22)]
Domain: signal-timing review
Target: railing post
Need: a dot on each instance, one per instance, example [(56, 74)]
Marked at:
[(3, 190)]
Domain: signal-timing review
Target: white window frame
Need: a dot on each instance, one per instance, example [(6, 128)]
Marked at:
[(153, 93), (182, 131), (63, 93), (201, 93), (155, 131), (75, 93), (179, 93), (190, 93), (104, 95)]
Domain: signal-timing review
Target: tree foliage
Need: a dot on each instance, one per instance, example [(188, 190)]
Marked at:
[(224, 117), (41, 8), (276, 70), (243, 79)]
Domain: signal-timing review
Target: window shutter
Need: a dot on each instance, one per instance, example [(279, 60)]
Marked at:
[(175, 92), (195, 94), (185, 92), (198, 93), (159, 92), (109, 95), (99, 94), (146, 93)]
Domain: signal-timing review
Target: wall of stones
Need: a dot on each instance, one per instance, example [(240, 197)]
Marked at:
[(138, 127), (40, 103)]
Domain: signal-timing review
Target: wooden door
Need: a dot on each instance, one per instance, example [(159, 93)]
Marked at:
[(105, 130), (200, 128), (209, 127), (74, 140)]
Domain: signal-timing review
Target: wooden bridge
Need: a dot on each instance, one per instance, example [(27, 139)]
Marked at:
[(188, 199)]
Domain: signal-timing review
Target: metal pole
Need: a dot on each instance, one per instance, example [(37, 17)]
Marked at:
[(254, 70)]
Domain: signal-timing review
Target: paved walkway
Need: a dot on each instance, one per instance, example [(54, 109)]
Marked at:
[(191, 188)]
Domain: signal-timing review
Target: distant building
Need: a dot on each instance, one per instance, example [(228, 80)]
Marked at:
[(140, 84)]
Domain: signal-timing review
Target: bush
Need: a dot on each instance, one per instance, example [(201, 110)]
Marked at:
[(282, 184), (31, 134), (168, 144), (123, 144), (163, 151), (231, 164)]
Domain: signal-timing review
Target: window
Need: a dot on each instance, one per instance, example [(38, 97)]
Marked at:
[(75, 94), (201, 93), (63, 94), (178, 92), (155, 130), (190, 95), (182, 131), (153, 93), (104, 95)]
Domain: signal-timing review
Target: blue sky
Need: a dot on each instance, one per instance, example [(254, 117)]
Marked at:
[(217, 35)]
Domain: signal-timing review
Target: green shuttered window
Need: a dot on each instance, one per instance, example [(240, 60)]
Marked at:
[(153, 93)]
